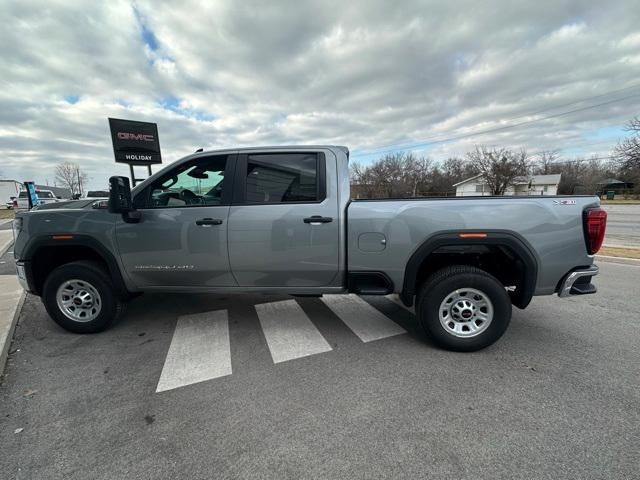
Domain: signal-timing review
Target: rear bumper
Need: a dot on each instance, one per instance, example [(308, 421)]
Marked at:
[(578, 282)]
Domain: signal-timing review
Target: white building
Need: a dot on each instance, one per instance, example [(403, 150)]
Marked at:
[(8, 189), (532, 185)]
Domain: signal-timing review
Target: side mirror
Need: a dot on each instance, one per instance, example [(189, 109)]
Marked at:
[(120, 195), (120, 200)]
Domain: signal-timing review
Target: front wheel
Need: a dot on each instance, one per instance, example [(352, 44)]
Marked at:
[(78, 296), (463, 308)]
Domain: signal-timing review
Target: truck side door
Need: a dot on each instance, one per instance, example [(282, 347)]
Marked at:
[(181, 239), (284, 220)]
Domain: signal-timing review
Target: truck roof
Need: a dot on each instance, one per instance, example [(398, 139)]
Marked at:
[(280, 147)]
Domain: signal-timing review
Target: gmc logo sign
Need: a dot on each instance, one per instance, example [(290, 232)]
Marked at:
[(135, 136), (135, 143)]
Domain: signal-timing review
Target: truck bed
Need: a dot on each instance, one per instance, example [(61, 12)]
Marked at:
[(550, 226)]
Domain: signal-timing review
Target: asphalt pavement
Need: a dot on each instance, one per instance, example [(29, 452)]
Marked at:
[(623, 225), (7, 263), (557, 397)]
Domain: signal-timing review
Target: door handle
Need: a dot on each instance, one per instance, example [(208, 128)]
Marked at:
[(317, 219), (209, 221)]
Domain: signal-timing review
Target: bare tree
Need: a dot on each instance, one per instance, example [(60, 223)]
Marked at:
[(362, 181), (418, 172), (547, 162), (448, 173), (390, 174), (394, 175), (627, 152), (498, 166), (69, 175)]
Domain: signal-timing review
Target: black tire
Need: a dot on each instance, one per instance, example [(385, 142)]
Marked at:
[(440, 285), (111, 305)]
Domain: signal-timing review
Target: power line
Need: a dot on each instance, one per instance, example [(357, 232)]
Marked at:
[(559, 150), (606, 94), (584, 99), (424, 142), (521, 116), (580, 160), (507, 127)]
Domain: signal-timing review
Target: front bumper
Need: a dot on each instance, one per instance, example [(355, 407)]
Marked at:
[(23, 272), (578, 282)]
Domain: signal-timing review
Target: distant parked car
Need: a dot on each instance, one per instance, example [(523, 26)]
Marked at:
[(97, 194), (44, 197)]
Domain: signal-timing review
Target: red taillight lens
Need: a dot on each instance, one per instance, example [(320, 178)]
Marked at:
[(595, 225)]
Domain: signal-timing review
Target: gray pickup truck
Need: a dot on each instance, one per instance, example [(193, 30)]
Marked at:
[(281, 220)]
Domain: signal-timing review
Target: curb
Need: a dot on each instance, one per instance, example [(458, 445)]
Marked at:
[(619, 260), (7, 334), (615, 245)]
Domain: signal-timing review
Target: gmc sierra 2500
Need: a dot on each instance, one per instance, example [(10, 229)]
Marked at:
[(281, 220)]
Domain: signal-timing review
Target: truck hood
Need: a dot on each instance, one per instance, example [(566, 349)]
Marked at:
[(69, 204)]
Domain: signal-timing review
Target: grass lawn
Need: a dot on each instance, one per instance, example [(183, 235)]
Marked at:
[(620, 202), (620, 252), (7, 213)]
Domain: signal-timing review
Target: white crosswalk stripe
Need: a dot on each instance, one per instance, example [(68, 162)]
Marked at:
[(364, 320), (289, 332), (199, 350)]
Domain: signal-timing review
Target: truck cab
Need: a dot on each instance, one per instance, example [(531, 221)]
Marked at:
[(261, 220)]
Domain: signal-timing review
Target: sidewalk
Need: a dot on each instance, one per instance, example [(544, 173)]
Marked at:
[(11, 298), (620, 260)]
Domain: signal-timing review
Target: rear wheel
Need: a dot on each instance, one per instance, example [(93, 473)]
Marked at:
[(463, 308), (78, 296)]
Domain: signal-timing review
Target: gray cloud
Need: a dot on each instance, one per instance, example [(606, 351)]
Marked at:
[(363, 74)]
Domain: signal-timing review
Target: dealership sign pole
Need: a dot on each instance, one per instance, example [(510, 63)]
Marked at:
[(32, 194), (135, 143)]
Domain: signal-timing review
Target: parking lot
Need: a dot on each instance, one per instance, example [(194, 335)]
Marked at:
[(212, 387)]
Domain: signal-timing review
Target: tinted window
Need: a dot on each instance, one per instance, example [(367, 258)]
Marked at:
[(195, 183), (45, 194), (280, 178)]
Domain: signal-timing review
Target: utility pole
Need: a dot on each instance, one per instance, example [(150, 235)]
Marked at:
[(79, 181)]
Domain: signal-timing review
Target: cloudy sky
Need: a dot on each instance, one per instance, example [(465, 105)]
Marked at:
[(377, 76)]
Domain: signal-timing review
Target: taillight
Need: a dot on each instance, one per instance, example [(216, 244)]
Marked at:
[(595, 223)]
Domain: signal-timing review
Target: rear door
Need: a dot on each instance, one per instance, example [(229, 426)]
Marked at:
[(284, 220)]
